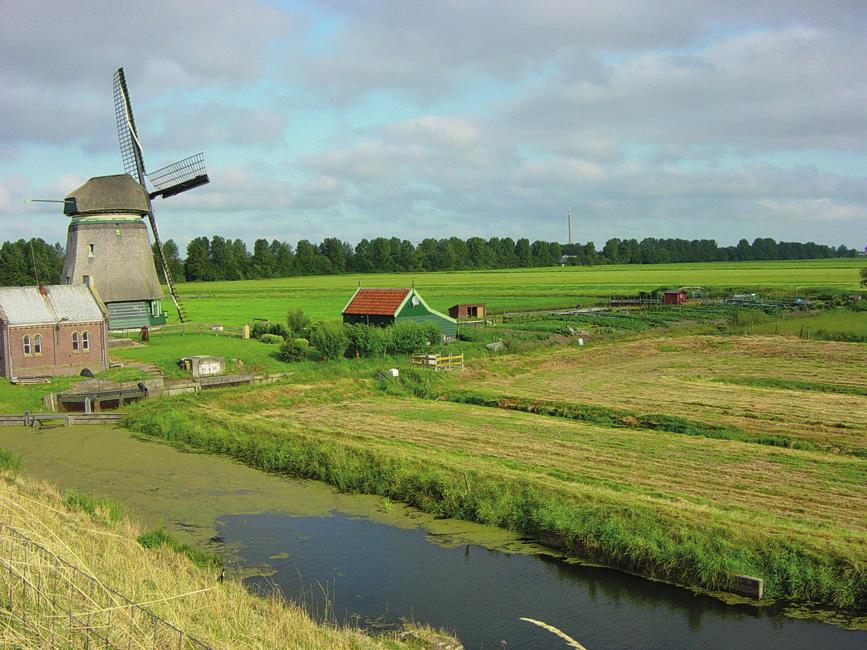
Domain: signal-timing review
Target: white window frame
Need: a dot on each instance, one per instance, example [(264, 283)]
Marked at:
[(28, 346), (85, 341), (76, 343), (37, 345)]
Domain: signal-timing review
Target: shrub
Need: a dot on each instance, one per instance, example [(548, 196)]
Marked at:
[(302, 342), (330, 339), (366, 340), (271, 339), (279, 329), (298, 322), (408, 337), (292, 350), (259, 328)]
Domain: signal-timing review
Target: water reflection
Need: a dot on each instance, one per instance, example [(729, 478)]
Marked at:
[(380, 574)]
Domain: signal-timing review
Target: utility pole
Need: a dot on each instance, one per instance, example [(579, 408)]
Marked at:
[(570, 226)]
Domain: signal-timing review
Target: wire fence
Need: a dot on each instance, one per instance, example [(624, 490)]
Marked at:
[(46, 602)]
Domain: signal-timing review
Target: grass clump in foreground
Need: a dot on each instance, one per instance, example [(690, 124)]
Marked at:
[(189, 597), (159, 537), (100, 508), (686, 509)]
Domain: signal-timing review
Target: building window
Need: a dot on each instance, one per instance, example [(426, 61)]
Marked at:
[(27, 349), (86, 279), (90, 250), (85, 341), (75, 341), (37, 344)]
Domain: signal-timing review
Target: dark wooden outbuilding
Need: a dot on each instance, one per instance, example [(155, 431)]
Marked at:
[(473, 310), (674, 297)]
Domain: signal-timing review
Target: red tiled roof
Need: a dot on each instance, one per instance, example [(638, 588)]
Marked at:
[(378, 302)]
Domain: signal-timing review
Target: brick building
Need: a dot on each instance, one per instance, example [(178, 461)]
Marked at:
[(51, 330)]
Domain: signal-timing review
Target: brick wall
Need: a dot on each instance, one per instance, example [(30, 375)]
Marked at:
[(57, 356)]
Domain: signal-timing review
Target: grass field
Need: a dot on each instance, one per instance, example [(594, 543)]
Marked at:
[(95, 536), (323, 297), (813, 325), (781, 387), (692, 510)]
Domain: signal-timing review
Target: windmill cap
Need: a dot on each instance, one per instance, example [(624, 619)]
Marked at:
[(118, 193)]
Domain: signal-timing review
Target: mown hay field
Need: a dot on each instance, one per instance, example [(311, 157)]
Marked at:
[(812, 391), (323, 297)]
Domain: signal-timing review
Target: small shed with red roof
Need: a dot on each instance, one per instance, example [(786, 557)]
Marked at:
[(385, 306)]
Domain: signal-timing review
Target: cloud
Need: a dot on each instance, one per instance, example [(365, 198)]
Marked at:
[(58, 59), (684, 117)]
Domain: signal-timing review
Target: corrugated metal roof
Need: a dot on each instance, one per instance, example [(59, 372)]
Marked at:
[(376, 302), (49, 304)]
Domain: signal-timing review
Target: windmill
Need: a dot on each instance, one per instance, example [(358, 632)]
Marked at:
[(168, 181)]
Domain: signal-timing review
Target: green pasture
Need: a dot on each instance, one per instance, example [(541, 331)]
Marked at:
[(323, 297), (815, 325)]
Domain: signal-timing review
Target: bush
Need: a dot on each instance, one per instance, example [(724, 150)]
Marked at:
[(330, 339), (259, 328), (279, 329), (271, 339), (366, 340), (293, 350), (302, 342), (298, 322), (408, 337)]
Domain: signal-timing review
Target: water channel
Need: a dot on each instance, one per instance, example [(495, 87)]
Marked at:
[(373, 562)]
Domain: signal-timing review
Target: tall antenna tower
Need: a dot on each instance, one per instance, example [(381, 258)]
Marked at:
[(570, 225)]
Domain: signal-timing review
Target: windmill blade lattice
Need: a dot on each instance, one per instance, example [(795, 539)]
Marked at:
[(130, 147)]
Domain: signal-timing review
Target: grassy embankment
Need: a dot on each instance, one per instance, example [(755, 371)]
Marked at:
[(690, 509), (322, 297), (152, 569)]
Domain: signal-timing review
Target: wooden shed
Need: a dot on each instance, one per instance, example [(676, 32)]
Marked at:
[(385, 306), (473, 310), (674, 297)]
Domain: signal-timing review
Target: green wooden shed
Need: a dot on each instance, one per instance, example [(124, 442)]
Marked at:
[(387, 306)]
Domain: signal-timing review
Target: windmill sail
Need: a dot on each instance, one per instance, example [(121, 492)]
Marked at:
[(169, 181)]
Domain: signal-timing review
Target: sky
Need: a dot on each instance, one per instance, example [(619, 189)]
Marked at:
[(415, 119)]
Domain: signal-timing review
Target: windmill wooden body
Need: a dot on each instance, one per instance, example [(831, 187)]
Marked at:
[(107, 243)]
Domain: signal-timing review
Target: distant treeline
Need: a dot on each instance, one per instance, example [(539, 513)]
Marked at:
[(224, 259), (218, 258)]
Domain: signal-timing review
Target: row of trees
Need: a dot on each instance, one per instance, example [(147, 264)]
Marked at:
[(218, 258), (31, 262)]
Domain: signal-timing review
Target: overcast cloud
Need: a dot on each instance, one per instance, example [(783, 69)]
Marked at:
[(417, 119)]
